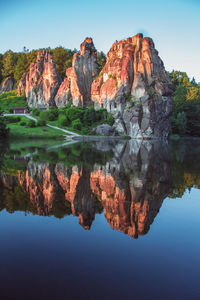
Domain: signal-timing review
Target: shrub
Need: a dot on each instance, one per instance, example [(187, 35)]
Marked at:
[(44, 115), (110, 119), (11, 111), (22, 123), (63, 121), (89, 116), (53, 114), (36, 112), (41, 122), (10, 120), (76, 124), (74, 113), (31, 123)]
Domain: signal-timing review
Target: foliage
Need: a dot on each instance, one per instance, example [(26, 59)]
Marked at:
[(63, 59), (9, 62), (62, 120), (101, 60), (31, 123), (185, 117), (76, 124), (22, 123), (41, 122), (4, 131), (9, 100), (11, 119)]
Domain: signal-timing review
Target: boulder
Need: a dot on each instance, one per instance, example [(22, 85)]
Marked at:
[(77, 85), (135, 88), (104, 129), (41, 83), (7, 85)]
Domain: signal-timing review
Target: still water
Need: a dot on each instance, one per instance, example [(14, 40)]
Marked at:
[(100, 220)]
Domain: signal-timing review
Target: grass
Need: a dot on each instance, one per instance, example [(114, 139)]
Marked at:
[(17, 131), (9, 100)]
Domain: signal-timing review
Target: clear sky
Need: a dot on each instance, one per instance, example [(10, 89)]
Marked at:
[(174, 26)]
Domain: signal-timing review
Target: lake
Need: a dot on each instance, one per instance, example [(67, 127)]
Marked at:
[(100, 220)]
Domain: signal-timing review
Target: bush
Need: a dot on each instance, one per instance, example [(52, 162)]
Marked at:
[(36, 112), (10, 120), (11, 111), (63, 121), (41, 122), (22, 123), (76, 124), (53, 114), (110, 119), (44, 115), (31, 123), (74, 113)]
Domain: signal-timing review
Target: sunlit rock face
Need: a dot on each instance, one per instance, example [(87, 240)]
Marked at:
[(7, 85), (135, 88), (77, 84), (41, 84)]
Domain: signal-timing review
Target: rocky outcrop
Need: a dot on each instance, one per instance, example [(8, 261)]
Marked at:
[(104, 129), (135, 88), (77, 84), (7, 85), (41, 84)]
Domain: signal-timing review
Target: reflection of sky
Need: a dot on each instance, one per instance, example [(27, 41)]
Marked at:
[(58, 259), (174, 25)]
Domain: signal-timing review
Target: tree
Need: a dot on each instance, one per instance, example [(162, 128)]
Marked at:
[(101, 60), (21, 66), (193, 93), (9, 63), (63, 59), (1, 66)]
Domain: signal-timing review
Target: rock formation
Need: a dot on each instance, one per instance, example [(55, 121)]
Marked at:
[(7, 85), (77, 84), (41, 84), (135, 88)]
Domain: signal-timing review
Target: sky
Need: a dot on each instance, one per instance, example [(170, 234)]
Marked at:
[(174, 25)]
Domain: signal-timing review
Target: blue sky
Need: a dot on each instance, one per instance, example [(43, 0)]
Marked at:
[(174, 26)]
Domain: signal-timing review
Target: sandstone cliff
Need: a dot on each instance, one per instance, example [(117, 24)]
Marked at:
[(41, 83), (7, 85), (135, 88), (77, 84)]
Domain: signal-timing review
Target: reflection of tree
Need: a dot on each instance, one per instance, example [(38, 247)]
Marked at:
[(185, 166)]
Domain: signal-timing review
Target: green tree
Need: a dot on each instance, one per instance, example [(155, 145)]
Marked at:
[(21, 66), (9, 62), (63, 59), (101, 60), (1, 66)]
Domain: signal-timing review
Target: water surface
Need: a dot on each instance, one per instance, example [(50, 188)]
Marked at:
[(100, 220)]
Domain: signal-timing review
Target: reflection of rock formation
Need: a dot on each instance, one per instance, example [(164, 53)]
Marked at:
[(131, 187)]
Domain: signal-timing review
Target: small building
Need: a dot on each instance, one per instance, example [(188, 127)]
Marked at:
[(20, 110)]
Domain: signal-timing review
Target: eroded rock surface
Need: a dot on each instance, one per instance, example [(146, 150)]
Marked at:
[(135, 88), (77, 84), (7, 85), (41, 83)]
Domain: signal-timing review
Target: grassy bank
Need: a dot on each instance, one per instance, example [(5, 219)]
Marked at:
[(10, 100), (24, 132)]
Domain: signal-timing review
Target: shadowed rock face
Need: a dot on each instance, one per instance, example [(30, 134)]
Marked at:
[(77, 84), (135, 88), (7, 85), (41, 84), (130, 187)]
